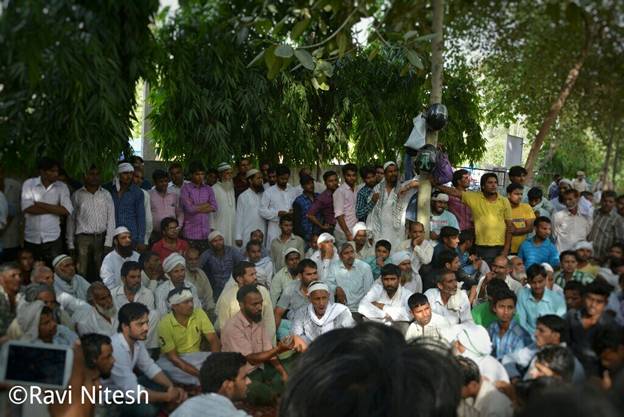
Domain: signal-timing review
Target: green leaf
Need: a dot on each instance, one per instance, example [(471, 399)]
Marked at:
[(299, 28), (325, 67), (305, 58), (284, 51), (414, 59)]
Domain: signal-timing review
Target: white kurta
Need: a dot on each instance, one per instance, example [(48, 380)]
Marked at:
[(225, 216), (248, 216), (274, 200), (149, 223), (395, 308)]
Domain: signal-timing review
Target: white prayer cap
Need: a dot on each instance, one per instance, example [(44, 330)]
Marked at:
[(124, 167), (60, 259), (288, 251), (387, 164), (359, 226), (213, 235), (223, 166), (251, 173), (579, 173), (121, 229), (172, 261), (401, 256), (475, 339), (179, 296), (547, 267), (317, 286), (565, 181), (440, 197), (325, 237), (584, 245)]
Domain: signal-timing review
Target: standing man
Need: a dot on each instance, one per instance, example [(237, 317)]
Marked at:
[(44, 202), (10, 235), (225, 218), (91, 225), (579, 183), (440, 216), (177, 178), (344, 204), (522, 216), (491, 214), (163, 203), (197, 200), (137, 178), (607, 226), (461, 181), (539, 248), (276, 202), (242, 176), (366, 199), (569, 225), (248, 218), (323, 206), (302, 226)]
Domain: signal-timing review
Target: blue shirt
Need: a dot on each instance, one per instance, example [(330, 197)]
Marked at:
[(355, 281), (219, 268), (515, 338), (529, 309), (532, 254), (447, 218), (303, 227), (130, 211)]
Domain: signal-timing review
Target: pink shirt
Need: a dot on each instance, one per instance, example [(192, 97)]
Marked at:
[(344, 204), (196, 224), (165, 206), (245, 337)]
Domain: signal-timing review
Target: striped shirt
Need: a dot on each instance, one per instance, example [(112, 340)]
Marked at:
[(515, 338), (605, 232), (94, 213), (578, 276), (363, 204), (163, 206)]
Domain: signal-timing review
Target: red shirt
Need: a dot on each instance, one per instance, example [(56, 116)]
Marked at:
[(163, 251)]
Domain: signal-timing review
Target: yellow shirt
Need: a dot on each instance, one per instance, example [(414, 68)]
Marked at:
[(518, 218), (183, 339), (489, 217)]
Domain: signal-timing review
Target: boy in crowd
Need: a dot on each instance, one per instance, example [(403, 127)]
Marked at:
[(506, 334)]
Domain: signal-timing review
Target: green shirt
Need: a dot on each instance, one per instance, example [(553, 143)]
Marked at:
[(482, 314)]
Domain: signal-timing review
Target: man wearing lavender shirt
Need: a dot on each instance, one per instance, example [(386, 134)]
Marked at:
[(197, 200), (324, 205), (461, 181)]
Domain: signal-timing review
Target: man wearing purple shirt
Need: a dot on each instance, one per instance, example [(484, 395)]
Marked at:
[(323, 206), (461, 181), (197, 200)]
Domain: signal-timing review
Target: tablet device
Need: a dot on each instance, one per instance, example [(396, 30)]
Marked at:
[(36, 363)]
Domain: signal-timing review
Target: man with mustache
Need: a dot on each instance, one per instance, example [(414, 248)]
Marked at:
[(111, 265), (66, 281), (100, 316), (386, 301)]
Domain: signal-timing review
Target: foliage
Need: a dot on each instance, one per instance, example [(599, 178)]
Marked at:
[(68, 71)]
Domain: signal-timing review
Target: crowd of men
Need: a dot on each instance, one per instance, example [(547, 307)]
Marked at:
[(208, 287)]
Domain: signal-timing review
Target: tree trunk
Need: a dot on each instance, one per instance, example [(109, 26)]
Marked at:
[(437, 64), (616, 160), (605, 168), (557, 105)]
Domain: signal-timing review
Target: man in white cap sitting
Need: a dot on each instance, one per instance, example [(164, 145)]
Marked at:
[(110, 272), (584, 252), (319, 316), (440, 216), (175, 270), (66, 280), (100, 316), (181, 333), (218, 261), (225, 217), (409, 278), (386, 301), (363, 248), (474, 342), (325, 255), (248, 216), (129, 204), (285, 275)]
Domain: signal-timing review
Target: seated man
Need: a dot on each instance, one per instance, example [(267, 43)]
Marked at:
[(555, 362), (319, 316), (569, 271), (483, 313), (448, 241), (122, 251), (285, 275), (294, 297), (473, 342), (537, 300), (46, 294), (479, 395), (171, 241), (584, 251), (363, 248), (175, 270), (350, 278), (243, 333), (129, 352), (66, 280), (325, 255), (539, 248), (382, 257), (37, 322), (506, 334), (223, 379), (386, 301), (448, 301), (152, 274), (181, 333), (426, 323), (501, 267), (409, 278), (264, 265), (196, 276), (573, 294), (244, 273), (100, 316)]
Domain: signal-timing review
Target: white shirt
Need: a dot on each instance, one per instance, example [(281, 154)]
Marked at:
[(42, 228), (395, 308), (122, 375), (162, 291), (110, 271), (248, 216), (149, 223), (264, 271), (323, 265), (172, 188), (144, 296), (513, 285), (89, 320), (274, 200), (208, 405), (569, 229), (458, 314), (490, 402), (93, 213), (435, 328)]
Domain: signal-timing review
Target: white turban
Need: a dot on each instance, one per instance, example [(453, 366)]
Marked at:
[(119, 230), (213, 235), (401, 256), (584, 245), (223, 166), (59, 260), (180, 297), (288, 251), (325, 237), (359, 226), (172, 261), (317, 286), (547, 267), (440, 197), (28, 317), (387, 164), (475, 339), (124, 167), (565, 181), (251, 173)]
